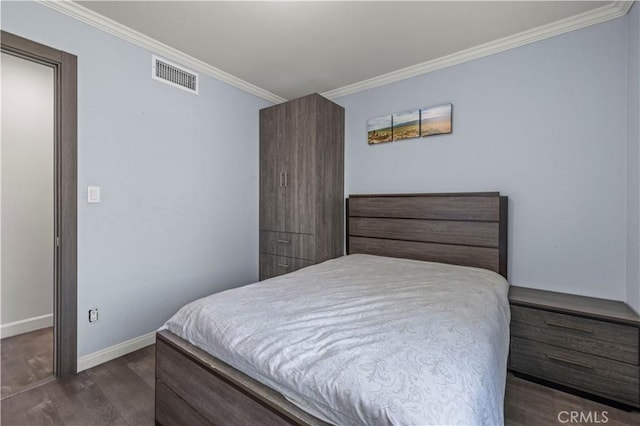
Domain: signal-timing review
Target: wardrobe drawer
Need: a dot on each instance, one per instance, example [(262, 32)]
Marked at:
[(597, 375), (287, 244), (605, 339), (272, 266)]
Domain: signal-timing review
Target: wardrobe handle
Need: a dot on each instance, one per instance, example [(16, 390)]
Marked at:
[(281, 176), (282, 265), (567, 361), (286, 178), (284, 241)]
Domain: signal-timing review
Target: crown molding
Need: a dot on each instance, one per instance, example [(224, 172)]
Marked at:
[(112, 27), (604, 13)]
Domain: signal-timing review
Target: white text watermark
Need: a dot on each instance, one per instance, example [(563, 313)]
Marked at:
[(593, 417)]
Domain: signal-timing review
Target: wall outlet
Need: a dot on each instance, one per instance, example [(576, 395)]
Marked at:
[(93, 315), (93, 194)]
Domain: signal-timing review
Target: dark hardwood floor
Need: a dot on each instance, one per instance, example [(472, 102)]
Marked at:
[(528, 403), (120, 392), (26, 360)]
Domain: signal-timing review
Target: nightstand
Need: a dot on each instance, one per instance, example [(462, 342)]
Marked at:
[(583, 343)]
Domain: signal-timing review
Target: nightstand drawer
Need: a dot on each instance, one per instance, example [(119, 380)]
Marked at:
[(604, 377), (287, 244), (272, 266), (614, 341)]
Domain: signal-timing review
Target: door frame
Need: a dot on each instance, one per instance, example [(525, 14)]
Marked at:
[(65, 312)]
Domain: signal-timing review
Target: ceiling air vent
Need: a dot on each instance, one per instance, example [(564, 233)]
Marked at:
[(175, 75)]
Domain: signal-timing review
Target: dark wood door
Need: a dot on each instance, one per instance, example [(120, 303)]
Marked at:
[(300, 173), (272, 168)]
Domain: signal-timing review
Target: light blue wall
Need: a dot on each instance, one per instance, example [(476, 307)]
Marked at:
[(179, 178), (633, 161), (545, 124), (548, 124)]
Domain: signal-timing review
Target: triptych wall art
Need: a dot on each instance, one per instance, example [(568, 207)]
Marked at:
[(435, 120)]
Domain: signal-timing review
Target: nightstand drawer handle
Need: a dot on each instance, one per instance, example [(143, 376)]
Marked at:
[(567, 361), (568, 326), (282, 265), (284, 241)]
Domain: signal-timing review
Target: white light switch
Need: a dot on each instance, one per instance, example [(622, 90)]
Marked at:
[(93, 194)]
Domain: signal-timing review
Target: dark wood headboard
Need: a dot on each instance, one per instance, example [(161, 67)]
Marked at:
[(467, 229)]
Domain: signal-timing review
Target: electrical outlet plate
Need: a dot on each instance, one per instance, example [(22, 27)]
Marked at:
[(93, 315), (93, 194)]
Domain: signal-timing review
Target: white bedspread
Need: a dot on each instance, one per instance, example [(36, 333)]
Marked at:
[(367, 339)]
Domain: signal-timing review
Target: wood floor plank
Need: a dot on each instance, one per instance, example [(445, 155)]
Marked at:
[(43, 413), (129, 393), (517, 413), (63, 390), (33, 407), (15, 374), (146, 418), (7, 348), (41, 365), (80, 401), (528, 403), (38, 341), (143, 363), (26, 359), (21, 373)]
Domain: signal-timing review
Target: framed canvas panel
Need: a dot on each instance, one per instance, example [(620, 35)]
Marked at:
[(379, 129), (406, 125), (436, 120)]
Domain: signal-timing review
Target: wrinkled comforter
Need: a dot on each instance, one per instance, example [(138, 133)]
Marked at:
[(367, 339)]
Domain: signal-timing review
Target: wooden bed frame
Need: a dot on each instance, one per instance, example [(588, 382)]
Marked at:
[(462, 229), (195, 388)]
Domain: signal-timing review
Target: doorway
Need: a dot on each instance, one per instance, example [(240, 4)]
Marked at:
[(27, 218), (42, 203)]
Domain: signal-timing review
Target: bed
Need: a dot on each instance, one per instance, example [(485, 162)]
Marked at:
[(423, 291)]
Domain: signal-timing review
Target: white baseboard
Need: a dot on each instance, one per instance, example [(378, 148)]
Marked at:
[(112, 352), (26, 325)]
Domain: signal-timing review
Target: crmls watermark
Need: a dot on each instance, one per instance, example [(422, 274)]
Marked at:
[(594, 417)]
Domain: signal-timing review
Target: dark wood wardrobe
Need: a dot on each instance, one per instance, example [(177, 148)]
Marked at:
[(301, 184)]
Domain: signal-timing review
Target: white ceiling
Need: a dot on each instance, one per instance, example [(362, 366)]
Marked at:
[(294, 48)]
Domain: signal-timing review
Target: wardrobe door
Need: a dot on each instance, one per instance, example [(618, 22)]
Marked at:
[(272, 168), (300, 133), (329, 168)]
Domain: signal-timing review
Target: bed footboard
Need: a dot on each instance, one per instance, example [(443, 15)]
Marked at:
[(194, 388)]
